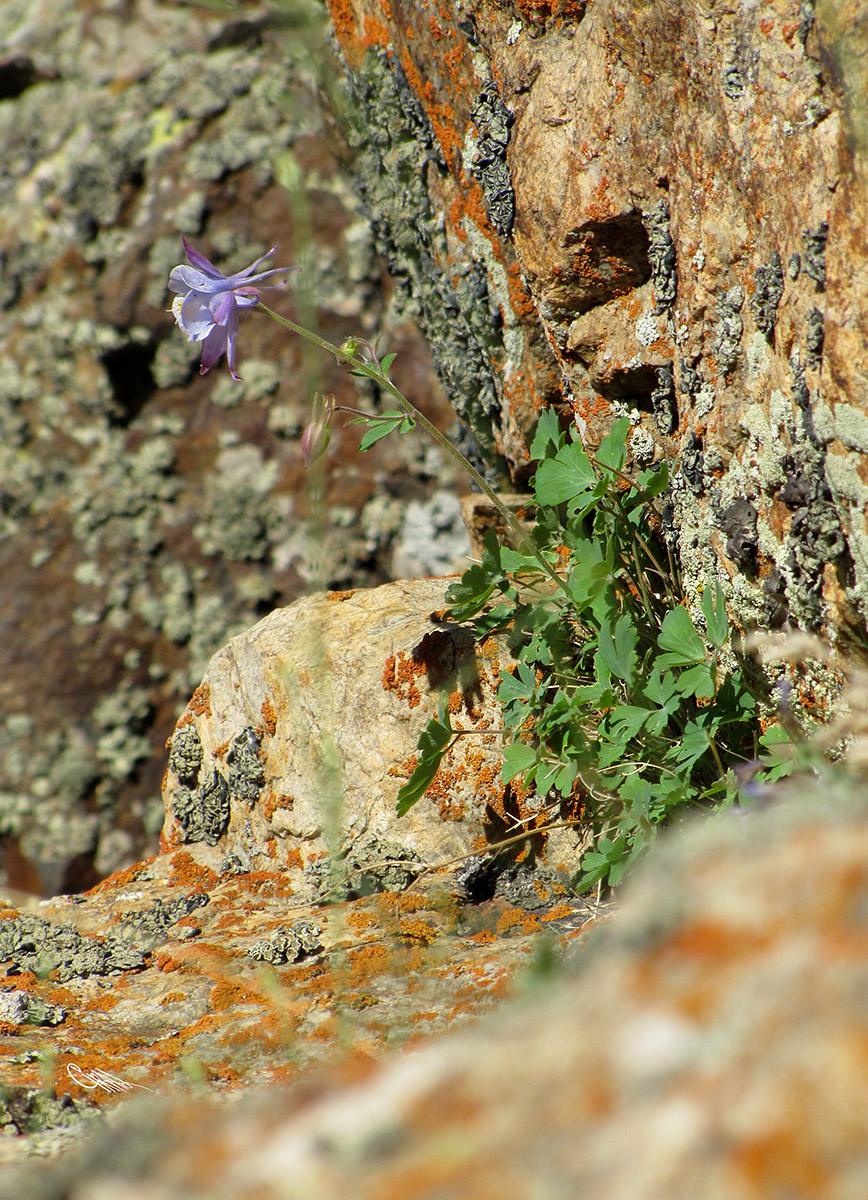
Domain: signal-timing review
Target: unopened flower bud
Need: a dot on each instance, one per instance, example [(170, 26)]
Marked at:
[(350, 347), (317, 435)]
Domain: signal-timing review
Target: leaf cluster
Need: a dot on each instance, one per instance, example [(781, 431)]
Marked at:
[(621, 697)]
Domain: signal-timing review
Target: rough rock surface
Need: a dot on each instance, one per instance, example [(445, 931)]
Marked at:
[(147, 514), (710, 1042), (292, 750), (664, 208)]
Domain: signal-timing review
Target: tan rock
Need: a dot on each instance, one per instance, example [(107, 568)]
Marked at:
[(291, 753)]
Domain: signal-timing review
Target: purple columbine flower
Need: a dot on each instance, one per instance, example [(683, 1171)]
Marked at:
[(206, 307)]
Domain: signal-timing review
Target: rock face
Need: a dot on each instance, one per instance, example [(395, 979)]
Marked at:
[(292, 750), (664, 206), (716, 1027), (147, 514)]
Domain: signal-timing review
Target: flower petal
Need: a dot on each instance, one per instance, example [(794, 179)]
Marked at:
[(231, 335), (222, 307), (199, 261), (193, 314), (212, 347), (188, 279)]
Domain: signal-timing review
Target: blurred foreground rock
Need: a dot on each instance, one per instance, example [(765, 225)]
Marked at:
[(710, 1040)]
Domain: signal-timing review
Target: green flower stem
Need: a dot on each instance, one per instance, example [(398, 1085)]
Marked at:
[(376, 373)]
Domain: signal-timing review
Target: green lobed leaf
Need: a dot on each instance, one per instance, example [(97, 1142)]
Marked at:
[(547, 434), (565, 476), (613, 447), (618, 648), (678, 636), (714, 611), (517, 758), (382, 425), (432, 745)]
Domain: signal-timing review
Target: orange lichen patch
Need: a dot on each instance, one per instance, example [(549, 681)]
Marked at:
[(104, 1002), (342, 19), (367, 962), (374, 33), (269, 716), (440, 114), (417, 930), (220, 751), (173, 998), (520, 299), (555, 914), (780, 1162), (188, 873), (226, 995), (200, 701), (340, 595), (541, 10), (121, 878), (517, 918), (293, 858), (304, 974), (166, 962), (266, 883), (399, 675), (358, 919), (484, 937)]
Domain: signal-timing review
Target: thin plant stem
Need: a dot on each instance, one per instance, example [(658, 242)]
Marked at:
[(376, 373)]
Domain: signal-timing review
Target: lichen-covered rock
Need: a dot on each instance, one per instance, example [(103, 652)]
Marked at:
[(293, 748), (147, 514), (676, 196), (168, 976)]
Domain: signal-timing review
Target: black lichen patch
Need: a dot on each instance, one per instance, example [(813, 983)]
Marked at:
[(814, 261), (149, 927), (738, 522), (693, 465), (663, 402), (732, 82), (289, 945), (246, 769), (769, 280), (365, 867), (492, 119), (730, 327), (204, 814), (185, 755), (397, 148), (815, 336), (662, 256), (776, 605), (815, 537), (32, 944)]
